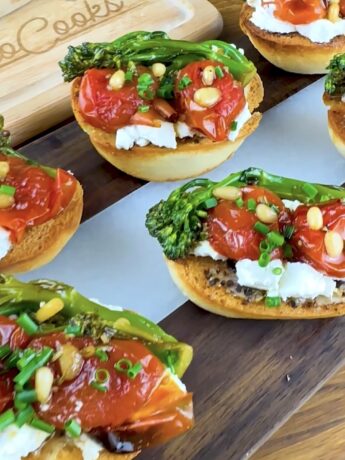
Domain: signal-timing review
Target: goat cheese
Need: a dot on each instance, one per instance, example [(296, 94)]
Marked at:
[(204, 249), (5, 242), (163, 136), (16, 443)]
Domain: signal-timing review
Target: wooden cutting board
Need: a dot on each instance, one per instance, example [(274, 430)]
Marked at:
[(35, 34)]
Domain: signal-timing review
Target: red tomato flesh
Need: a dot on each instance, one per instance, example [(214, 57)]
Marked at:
[(214, 122), (12, 334), (300, 11), (231, 229), (93, 408), (309, 244), (38, 197)]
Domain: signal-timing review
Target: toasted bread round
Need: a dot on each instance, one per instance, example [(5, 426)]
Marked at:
[(189, 276), (191, 157), (62, 448), (336, 129), (291, 52), (42, 243)]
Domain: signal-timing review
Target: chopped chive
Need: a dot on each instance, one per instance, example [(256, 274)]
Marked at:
[(219, 72), (101, 355), (233, 126), (27, 324), (123, 365), (6, 419), (143, 108), (251, 205), (73, 329), (99, 386), (265, 246), (102, 376), (41, 425), (273, 301), (129, 75), (134, 370), (26, 396), (264, 259), (40, 360), (324, 198), (12, 359), (210, 203), (277, 271), (145, 80), (261, 228), (72, 428), (288, 231), (5, 350), (287, 251), (239, 202), (7, 190), (275, 238), (184, 82), (19, 405), (24, 416), (27, 356), (310, 190)]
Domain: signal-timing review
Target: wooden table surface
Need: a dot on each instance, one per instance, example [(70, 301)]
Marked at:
[(239, 372)]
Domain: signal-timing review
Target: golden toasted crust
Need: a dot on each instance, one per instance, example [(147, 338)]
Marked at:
[(336, 129), (43, 242), (190, 159), (189, 276), (291, 52), (61, 448)]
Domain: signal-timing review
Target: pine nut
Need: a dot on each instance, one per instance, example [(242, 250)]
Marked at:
[(208, 75), (117, 80), (158, 69), (71, 362), (334, 244), (6, 201), (266, 214), (333, 13), (49, 310), (44, 379), (4, 168), (227, 193), (88, 351), (314, 218), (207, 97)]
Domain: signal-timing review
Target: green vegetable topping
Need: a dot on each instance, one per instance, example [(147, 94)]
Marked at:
[(335, 80), (275, 238), (6, 419), (129, 75), (239, 202), (233, 126), (101, 355), (145, 81), (7, 190), (288, 231), (287, 251), (149, 47), (125, 366), (277, 271), (42, 425), (24, 416), (219, 72), (27, 324), (99, 386), (264, 259), (5, 350), (251, 205), (184, 82), (143, 108), (273, 301), (72, 428), (261, 228)]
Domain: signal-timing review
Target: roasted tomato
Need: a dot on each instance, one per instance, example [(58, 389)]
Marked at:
[(309, 245), (6, 390), (12, 334), (300, 11), (214, 122), (342, 8), (79, 399), (38, 196), (107, 108), (231, 228)]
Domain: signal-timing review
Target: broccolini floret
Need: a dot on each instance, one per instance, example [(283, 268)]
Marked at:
[(335, 80)]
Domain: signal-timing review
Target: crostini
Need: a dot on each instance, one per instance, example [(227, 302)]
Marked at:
[(40, 209), (334, 98), (162, 109), (299, 36), (255, 245), (80, 380)]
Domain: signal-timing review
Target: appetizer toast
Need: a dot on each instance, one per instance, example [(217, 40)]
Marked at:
[(179, 111), (40, 210), (255, 245), (78, 378), (299, 37)]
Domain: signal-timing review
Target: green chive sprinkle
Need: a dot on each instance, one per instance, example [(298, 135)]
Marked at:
[(264, 259), (6, 419), (233, 126), (72, 428), (287, 251), (101, 355), (102, 376), (143, 108), (134, 370), (27, 324), (123, 365), (184, 82), (219, 72), (26, 396), (210, 203), (275, 238), (128, 75), (27, 356), (5, 350), (277, 271), (310, 190), (24, 416), (145, 81), (261, 228), (7, 190), (12, 359), (239, 202), (288, 231), (99, 387), (73, 329), (251, 205), (273, 301), (41, 425), (39, 361)]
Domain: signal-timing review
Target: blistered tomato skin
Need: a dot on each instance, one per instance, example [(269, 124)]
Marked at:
[(214, 122), (38, 197), (231, 228), (300, 11), (309, 246), (12, 334), (95, 409)]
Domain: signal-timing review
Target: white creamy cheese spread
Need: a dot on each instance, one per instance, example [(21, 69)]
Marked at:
[(291, 204), (89, 448), (5, 243), (166, 134), (319, 31), (204, 249), (16, 443)]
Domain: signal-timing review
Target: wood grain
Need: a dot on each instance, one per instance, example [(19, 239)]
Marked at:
[(239, 374), (35, 35)]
